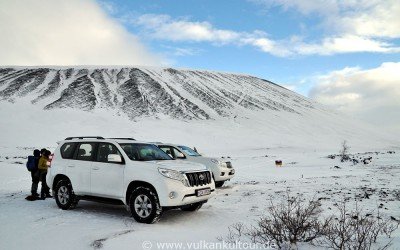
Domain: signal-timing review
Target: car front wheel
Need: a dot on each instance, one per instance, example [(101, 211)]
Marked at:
[(219, 183), (144, 205)]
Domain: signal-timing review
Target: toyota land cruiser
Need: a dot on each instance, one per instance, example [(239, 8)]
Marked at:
[(124, 171)]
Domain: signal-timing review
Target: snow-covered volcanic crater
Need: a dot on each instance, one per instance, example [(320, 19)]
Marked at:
[(201, 105), (138, 92)]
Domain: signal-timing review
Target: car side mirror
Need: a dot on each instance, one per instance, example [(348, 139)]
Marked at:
[(115, 158)]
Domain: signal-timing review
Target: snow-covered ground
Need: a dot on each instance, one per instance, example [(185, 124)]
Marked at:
[(42, 225)]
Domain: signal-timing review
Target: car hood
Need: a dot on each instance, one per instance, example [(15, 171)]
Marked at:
[(180, 165), (208, 161), (203, 160)]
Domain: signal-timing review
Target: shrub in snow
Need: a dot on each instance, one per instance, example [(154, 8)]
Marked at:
[(297, 221), (344, 152), (293, 221), (355, 230)]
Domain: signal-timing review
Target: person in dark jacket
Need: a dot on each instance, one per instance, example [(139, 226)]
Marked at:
[(42, 151), (45, 191), (35, 174)]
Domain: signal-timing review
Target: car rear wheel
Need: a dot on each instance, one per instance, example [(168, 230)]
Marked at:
[(144, 205)]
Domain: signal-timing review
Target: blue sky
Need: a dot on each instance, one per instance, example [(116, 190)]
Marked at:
[(277, 19)]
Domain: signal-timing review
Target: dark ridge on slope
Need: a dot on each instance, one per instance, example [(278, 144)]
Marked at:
[(24, 84), (143, 96), (79, 94), (52, 87)]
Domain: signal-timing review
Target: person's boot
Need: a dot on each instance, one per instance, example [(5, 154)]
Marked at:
[(48, 195)]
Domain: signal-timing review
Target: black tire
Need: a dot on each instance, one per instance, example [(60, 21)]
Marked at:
[(144, 205), (192, 207), (64, 195), (219, 184)]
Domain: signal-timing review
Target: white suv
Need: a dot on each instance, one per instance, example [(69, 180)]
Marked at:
[(222, 170), (127, 172)]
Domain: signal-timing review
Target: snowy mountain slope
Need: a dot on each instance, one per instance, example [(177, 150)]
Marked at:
[(155, 92), (219, 112)]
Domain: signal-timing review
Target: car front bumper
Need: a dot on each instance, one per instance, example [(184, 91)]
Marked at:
[(225, 174), (175, 194)]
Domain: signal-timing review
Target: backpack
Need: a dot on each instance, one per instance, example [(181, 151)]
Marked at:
[(31, 163)]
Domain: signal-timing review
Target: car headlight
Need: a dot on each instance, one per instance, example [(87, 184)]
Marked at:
[(175, 175), (219, 163)]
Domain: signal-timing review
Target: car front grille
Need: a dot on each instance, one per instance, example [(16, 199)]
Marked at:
[(199, 178), (228, 164)]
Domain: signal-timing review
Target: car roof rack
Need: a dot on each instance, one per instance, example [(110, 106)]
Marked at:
[(123, 138), (84, 137)]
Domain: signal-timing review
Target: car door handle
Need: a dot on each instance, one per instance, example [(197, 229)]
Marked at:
[(95, 168), (71, 166)]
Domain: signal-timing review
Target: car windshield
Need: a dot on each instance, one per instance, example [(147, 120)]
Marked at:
[(144, 152), (188, 151)]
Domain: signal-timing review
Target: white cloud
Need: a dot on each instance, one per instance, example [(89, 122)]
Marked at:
[(350, 26), (377, 19), (163, 27), (73, 32), (328, 46), (372, 94), (276, 48), (368, 18), (344, 44)]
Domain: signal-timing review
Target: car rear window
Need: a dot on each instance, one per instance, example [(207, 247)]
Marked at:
[(67, 150)]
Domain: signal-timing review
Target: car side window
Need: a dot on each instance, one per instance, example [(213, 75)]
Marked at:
[(106, 149), (178, 154), (130, 151), (168, 150), (85, 151)]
